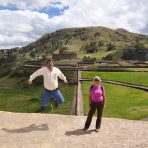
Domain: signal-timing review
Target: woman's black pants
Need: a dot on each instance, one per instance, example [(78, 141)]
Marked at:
[(93, 107)]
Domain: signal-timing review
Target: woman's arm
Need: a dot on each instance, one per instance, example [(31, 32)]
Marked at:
[(104, 96), (89, 98)]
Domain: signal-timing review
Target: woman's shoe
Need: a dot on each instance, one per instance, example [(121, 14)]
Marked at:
[(85, 129), (97, 130)]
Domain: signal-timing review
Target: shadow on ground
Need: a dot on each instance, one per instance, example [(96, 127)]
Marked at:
[(30, 128), (79, 132)]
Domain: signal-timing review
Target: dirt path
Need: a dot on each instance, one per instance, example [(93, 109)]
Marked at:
[(80, 104), (60, 131)]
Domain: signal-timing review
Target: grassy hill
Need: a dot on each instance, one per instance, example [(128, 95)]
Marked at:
[(94, 41), (99, 42)]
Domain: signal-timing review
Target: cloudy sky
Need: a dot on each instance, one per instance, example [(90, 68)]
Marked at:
[(24, 21)]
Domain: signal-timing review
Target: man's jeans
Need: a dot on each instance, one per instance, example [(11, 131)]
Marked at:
[(48, 95)]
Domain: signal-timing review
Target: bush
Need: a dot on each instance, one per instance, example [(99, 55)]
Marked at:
[(88, 59), (91, 47), (110, 47), (135, 53), (21, 72)]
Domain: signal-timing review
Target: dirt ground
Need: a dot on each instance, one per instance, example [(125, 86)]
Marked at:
[(59, 131)]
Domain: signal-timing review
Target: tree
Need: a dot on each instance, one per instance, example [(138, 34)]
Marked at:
[(91, 47), (32, 54), (88, 59), (135, 53), (110, 47), (100, 43), (11, 57)]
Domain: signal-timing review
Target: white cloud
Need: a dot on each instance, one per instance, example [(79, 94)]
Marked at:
[(24, 26), (33, 4), (128, 14)]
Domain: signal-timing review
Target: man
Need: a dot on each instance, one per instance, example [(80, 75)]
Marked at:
[(50, 75)]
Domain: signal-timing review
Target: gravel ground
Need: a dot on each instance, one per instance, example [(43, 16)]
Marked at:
[(59, 131)]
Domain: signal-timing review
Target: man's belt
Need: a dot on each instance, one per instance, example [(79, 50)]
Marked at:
[(52, 90)]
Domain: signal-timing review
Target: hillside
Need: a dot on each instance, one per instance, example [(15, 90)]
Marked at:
[(56, 131), (98, 42), (95, 41)]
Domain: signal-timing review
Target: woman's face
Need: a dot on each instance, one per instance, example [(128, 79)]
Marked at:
[(96, 82)]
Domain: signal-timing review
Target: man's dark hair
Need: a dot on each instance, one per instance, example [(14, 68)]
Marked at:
[(49, 60)]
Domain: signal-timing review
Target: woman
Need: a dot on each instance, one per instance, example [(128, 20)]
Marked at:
[(96, 101)]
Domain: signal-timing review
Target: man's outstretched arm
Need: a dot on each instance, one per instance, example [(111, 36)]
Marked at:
[(34, 75), (61, 75)]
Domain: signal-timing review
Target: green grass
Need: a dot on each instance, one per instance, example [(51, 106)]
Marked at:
[(96, 67), (19, 97), (137, 69), (68, 74), (139, 78), (121, 102), (100, 54), (125, 63)]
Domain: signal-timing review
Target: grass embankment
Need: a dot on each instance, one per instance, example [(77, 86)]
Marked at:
[(138, 78), (17, 96), (122, 102)]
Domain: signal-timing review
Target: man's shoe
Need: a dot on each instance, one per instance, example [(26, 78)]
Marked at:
[(42, 109), (56, 104)]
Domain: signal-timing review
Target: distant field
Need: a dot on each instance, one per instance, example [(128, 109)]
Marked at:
[(139, 78), (16, 96), (74, 61), (121, 102), (112, 67), (137, 69), (98, 55), (125, 63)]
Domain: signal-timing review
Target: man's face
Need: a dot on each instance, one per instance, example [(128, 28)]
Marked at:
[(50, 64)]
